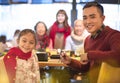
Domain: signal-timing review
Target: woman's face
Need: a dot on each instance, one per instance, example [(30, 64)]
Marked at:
[(60, 18), (40, 29), (78, 28)]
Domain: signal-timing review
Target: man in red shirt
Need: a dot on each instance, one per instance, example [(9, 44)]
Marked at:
[(103, 45)]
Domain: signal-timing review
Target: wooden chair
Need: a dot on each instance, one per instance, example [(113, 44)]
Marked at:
[(109, 74), (3, 73)]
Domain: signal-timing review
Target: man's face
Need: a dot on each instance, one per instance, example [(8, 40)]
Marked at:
[(92, 19)]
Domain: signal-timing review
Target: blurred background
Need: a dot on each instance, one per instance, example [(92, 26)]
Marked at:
[(20, 14)]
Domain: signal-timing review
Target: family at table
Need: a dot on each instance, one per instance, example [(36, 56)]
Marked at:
[(97, 45)]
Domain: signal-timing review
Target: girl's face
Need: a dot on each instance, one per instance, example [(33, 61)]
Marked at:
[(26, 42), (60, 18), (40, 29)]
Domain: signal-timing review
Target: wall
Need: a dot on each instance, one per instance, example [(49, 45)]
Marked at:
[(22, 16)]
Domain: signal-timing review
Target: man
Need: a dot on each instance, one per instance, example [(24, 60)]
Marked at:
[(103, 45)]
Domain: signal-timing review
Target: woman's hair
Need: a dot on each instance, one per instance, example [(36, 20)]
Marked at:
[(16, 33), (61, 11), (26, 31), (38, 23), (94, 4)]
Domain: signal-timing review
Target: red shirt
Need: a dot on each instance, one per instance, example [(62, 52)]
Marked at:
[(104, 48)]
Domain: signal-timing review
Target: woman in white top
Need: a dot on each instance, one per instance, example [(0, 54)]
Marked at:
[(76, 39)]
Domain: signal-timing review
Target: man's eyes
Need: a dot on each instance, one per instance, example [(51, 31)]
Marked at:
[(84, 18), (92, 16)]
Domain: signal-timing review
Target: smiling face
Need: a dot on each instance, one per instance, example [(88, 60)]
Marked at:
[(78, 27), (92, 19), (26, 42), (60, 18), (41, 29)]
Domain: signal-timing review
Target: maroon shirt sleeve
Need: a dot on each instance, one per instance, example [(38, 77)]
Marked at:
[(78, 66)]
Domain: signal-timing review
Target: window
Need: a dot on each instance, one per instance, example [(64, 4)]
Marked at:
[(18, 1), (41, 1)]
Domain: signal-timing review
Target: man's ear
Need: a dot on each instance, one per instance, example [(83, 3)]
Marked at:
[(103, 17)]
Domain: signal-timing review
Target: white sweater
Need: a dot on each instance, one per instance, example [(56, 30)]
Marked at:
[(74, 42)]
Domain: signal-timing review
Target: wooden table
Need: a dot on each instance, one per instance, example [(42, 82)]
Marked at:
[(54, 62), (54, 73), (51, 62)]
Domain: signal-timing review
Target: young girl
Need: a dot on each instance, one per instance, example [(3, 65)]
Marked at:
[(60, 30), (21, 62)]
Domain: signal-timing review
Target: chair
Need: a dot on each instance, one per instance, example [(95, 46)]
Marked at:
[(3, 73)]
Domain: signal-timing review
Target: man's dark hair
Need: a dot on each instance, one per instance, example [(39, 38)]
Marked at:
[(94, 4)]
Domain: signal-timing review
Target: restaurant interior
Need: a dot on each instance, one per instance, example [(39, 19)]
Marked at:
[(21, 14)]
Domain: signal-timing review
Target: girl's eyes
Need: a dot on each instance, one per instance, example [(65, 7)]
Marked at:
[(24, 41), (31, 42)]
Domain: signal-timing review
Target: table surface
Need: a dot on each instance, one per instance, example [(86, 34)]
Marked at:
[(54, 62), (51, 62)]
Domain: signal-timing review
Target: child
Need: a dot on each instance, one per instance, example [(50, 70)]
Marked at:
[(21, 62)]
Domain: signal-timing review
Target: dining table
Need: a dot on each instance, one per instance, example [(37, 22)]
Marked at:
[(54, 62), (51, 62)]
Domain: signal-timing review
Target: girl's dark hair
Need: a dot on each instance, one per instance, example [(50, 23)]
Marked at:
[(26, 31), (95, 4), (38, 23), (61, 11)]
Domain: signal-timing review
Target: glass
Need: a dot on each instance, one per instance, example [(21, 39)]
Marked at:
[(79, 51)]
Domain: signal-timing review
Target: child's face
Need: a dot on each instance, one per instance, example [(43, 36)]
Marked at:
[(26, 42)]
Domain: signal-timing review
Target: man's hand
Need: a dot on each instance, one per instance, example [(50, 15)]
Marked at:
[(84, 58), (64, 58)]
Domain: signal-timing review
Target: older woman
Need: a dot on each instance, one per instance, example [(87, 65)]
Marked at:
[(76, 39), (43, 40)]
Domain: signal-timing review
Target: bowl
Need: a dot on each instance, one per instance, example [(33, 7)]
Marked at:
[(42, 56)]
